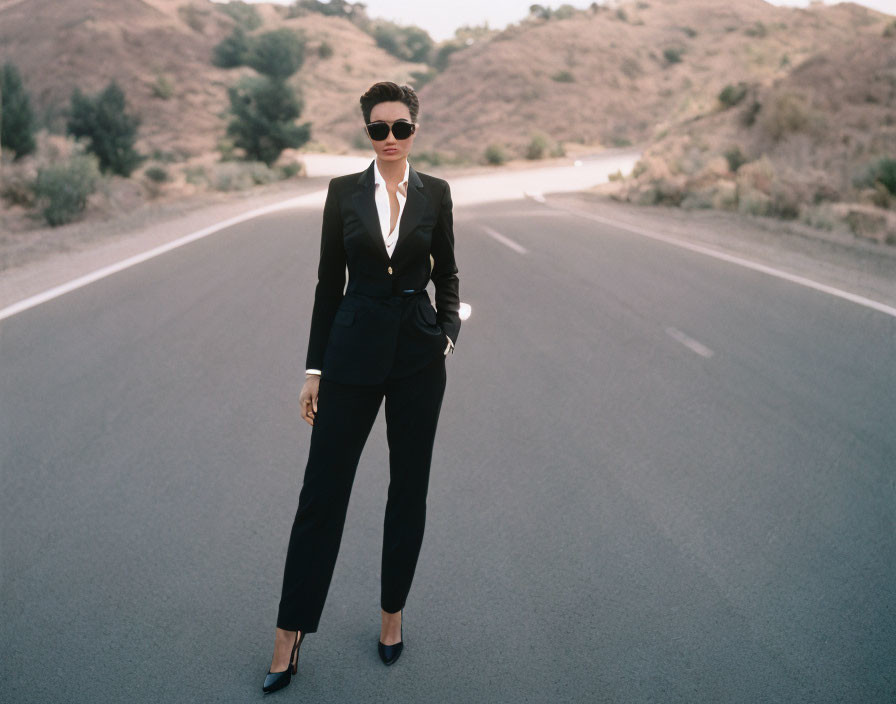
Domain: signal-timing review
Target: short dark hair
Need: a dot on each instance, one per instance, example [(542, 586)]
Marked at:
[(386, 91)]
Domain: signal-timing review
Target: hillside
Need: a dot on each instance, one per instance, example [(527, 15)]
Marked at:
[(618, 87), (88, 42), (792, 148), (601, 77)]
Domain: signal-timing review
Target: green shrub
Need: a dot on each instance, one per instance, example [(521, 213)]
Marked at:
[(408, 43), (421, 78), (278, 53), (244, 14), (62, 188), (231, 51), (495, 154), (232, 176), (735, 158), (157, 174), (195, 175), (536, 147), (17, 123), (731, 95), (264, 113), (882, 171), (757, 29), (163, 88), (110, 132), (290, 169), (325, 50), (563, 77), (672, 55)]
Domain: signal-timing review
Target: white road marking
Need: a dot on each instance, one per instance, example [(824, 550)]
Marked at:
[(316, 198), (690, 342), (504, 240), (802, 280)]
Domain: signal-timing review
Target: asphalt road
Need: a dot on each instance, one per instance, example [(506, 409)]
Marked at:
[(658, 477)]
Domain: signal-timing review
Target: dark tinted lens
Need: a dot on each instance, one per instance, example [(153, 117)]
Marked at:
[(402, 130), (378, 130)]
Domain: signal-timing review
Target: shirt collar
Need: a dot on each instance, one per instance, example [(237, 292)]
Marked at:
[(378, 177)]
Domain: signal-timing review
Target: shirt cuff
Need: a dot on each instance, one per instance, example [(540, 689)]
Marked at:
[(313, 371), (450, 346)]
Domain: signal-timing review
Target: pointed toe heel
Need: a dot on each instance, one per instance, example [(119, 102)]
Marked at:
[(389, 653), (278, 680)]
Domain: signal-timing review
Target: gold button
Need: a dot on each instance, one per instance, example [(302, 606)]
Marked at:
[(390, 269)]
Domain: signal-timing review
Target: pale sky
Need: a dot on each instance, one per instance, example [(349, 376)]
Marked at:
[(441, 18)]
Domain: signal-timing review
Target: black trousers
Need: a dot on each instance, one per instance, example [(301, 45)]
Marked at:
[(345, 415)]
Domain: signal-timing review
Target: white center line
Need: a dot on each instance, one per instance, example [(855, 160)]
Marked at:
[(504, 240), (689, 342)]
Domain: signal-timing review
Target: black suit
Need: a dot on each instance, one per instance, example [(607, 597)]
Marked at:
[(380, 339), (374, 329)]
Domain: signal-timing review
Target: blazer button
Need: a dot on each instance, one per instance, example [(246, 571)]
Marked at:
[(390, 269)]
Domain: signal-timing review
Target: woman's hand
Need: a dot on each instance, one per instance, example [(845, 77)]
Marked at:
[(308, 398)]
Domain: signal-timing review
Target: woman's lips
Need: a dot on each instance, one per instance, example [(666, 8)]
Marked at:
[(390, 151)]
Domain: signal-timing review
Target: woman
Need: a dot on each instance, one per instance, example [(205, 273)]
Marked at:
[(381, 338)]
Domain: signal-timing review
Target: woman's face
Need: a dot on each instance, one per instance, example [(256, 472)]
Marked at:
[(391, 149)]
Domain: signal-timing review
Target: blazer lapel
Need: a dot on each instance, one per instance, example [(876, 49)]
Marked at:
[(414, 208), (365, 205)]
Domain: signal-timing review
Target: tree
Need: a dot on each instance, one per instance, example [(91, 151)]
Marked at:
[(264, 111), (16, 116), (110, 131), (278, 53)]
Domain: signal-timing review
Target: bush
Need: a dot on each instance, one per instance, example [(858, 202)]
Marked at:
[(17, 188), (882, 171), (735, 158), (406, 43), (244, 14), (231, 51), (757, 29), (157, 174), (163, 88), (785, 113), (16, 116), (731, 95), (325, 50), (563, 77), (536, 147), (672, 55), (277, 54), (195, 175), (263, 125), (495, 154), (62, 188), (109, 130)]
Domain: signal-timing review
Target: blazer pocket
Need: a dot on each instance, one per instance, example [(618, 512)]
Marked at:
[(429, 315), (344, 317)]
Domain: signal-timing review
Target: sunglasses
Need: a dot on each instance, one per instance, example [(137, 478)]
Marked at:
[(379, 130)]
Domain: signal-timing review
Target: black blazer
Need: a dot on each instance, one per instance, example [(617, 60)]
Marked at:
[(383, 324)]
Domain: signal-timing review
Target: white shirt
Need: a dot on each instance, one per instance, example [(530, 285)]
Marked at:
[(384, 211)]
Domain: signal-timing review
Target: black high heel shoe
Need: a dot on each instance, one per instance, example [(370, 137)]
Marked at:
[(390, 653), (278, 680)]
